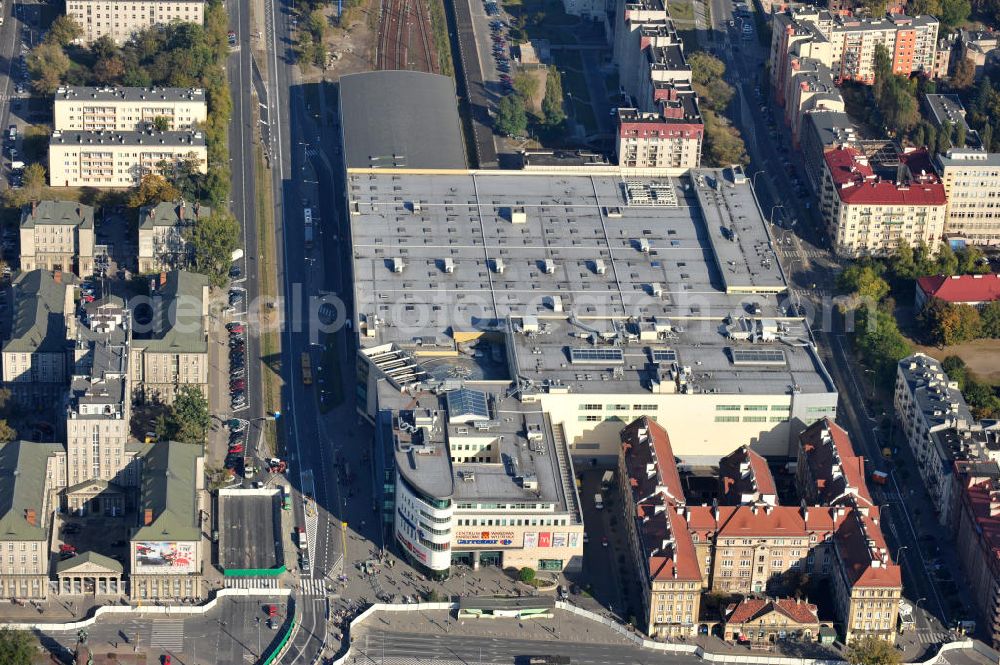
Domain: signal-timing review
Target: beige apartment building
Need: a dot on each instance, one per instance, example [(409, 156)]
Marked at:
[(91, 109), (171, 350), (29, 473), (120, 19), (873, 203), (971, 179), (57, 236), (35, 358), (161, 234), (120, 159)]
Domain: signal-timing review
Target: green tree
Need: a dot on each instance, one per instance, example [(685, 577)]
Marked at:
[(552, 103), (864, 280), (944, 137), (512, 119), (525, 85), (212, 241), (871, 651), (7, 433), (47, 64), (902, 263), (17, 647), (954, 12), (947, 261), (990, 317), (187, 419), (705, 67), (723, 144), (987, 138), (109, 71), (63, 31), (104, 48), (960, 135), (33, 181), (526, 575), (971, 261), (161, 123), (318, 25), (152, 189)]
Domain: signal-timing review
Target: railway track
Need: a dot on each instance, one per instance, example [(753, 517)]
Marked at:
[(404, 37)]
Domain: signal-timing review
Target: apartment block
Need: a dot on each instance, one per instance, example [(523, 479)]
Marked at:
[(977, 539), (911, 42), (873, 203), (28, 474), (745, 479), (35, 354), (810, 89), (171, 349), (661, 547), (937, 424), (57, 236), (662, 133), (92, 109), (827, 472), (162, 245), (822, 132), (971, 179), (120, 20), (120, 159)]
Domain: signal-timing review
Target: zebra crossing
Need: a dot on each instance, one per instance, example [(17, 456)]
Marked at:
[(313, 587), (932, 637), (252, 583), (168, 635)]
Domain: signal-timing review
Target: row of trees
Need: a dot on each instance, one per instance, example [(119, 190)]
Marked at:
[(948, 323), (723, 144), (184, 55), (310, 43)]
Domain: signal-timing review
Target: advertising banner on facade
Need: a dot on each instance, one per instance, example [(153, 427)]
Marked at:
[(574, 539), (168, 557), (485, 539), (559, 540), (545, 539), (530, 539)]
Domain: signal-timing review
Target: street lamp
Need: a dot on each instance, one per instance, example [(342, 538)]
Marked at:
[(773, 208), (258, 636), (872, 372), (753, 178)]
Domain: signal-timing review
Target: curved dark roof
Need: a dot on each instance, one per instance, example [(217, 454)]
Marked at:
[(401, 119)]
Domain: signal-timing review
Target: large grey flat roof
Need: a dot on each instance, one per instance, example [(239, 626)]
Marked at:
[(595, 262), (401, 119), (125, 94)]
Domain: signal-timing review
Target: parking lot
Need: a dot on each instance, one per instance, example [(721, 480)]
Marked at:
[(249, 526)]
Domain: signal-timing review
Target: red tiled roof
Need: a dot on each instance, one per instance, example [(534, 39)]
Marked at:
[(856, 182), (981, 498), (646, 443), (962, 288), (863, 552), (821, 455), (751, 608), (760, 521), (670, 559), (757, 480)]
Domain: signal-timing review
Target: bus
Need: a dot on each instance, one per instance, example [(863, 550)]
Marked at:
[(308, 227), (286, 498), (307, 377)]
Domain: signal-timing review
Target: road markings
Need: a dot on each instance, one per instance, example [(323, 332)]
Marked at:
[(313, 587), (251, 583), (168, 635)]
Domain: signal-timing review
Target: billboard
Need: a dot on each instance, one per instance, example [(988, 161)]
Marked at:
[(485, 538), (165, 557)]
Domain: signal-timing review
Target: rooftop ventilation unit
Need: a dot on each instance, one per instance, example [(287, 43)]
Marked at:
[(643, 245), (498, 266), (548, 266), (397, 264), (449, 266), (599, 267), (529, 482), (518, 215)]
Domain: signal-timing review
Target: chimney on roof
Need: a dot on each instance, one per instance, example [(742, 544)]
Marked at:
[(147, 517), (57, 277), (31, 517)]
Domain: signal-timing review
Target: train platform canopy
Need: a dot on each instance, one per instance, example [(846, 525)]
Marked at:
[(520, 607), (401, 120)]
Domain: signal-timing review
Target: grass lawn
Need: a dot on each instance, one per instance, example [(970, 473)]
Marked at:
[(982, 357), (682, 10), (270, 343)]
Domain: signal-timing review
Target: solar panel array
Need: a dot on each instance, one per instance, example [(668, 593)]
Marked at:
[(597, 356), (664, 356), (467, 402), (758, 356)]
